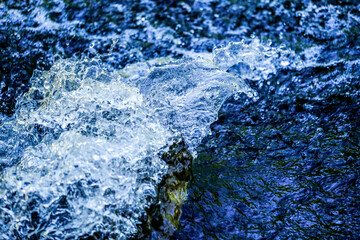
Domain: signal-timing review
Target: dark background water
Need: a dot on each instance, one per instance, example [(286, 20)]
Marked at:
[(283, 167)]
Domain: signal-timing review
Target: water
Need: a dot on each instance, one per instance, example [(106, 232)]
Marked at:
[(89, 141), (293, 163), (196, 119)]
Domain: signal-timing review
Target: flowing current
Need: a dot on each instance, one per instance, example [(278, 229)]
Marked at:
[(83, 149), (137, 141)]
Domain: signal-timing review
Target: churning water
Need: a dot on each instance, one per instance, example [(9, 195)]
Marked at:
[(97, 96), (87, 142)]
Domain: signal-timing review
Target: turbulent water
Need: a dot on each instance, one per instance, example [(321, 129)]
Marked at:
[(88, 143), (97, 96)]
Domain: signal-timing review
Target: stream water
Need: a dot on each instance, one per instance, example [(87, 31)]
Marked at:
[(201, 119)]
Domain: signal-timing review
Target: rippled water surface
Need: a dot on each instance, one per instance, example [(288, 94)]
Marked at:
[(201, 119)]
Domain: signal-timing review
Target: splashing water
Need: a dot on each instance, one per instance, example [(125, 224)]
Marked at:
[(281, 167), (86, 142), (253, 59)]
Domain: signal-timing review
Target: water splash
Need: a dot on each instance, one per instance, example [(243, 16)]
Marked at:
[(87, 143), (94, 151), (253, 59), (187, 96)]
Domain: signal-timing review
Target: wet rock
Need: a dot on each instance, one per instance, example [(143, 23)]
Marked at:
[(163, 216)]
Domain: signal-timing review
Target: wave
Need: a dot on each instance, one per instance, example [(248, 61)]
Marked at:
[(87, 142)]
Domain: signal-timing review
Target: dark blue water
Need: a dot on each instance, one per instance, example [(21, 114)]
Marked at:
[(280, 161)]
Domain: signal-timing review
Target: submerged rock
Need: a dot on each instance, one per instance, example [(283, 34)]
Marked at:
[(164, 214)]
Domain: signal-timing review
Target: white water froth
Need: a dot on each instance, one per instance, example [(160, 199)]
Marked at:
[(88, 141)]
